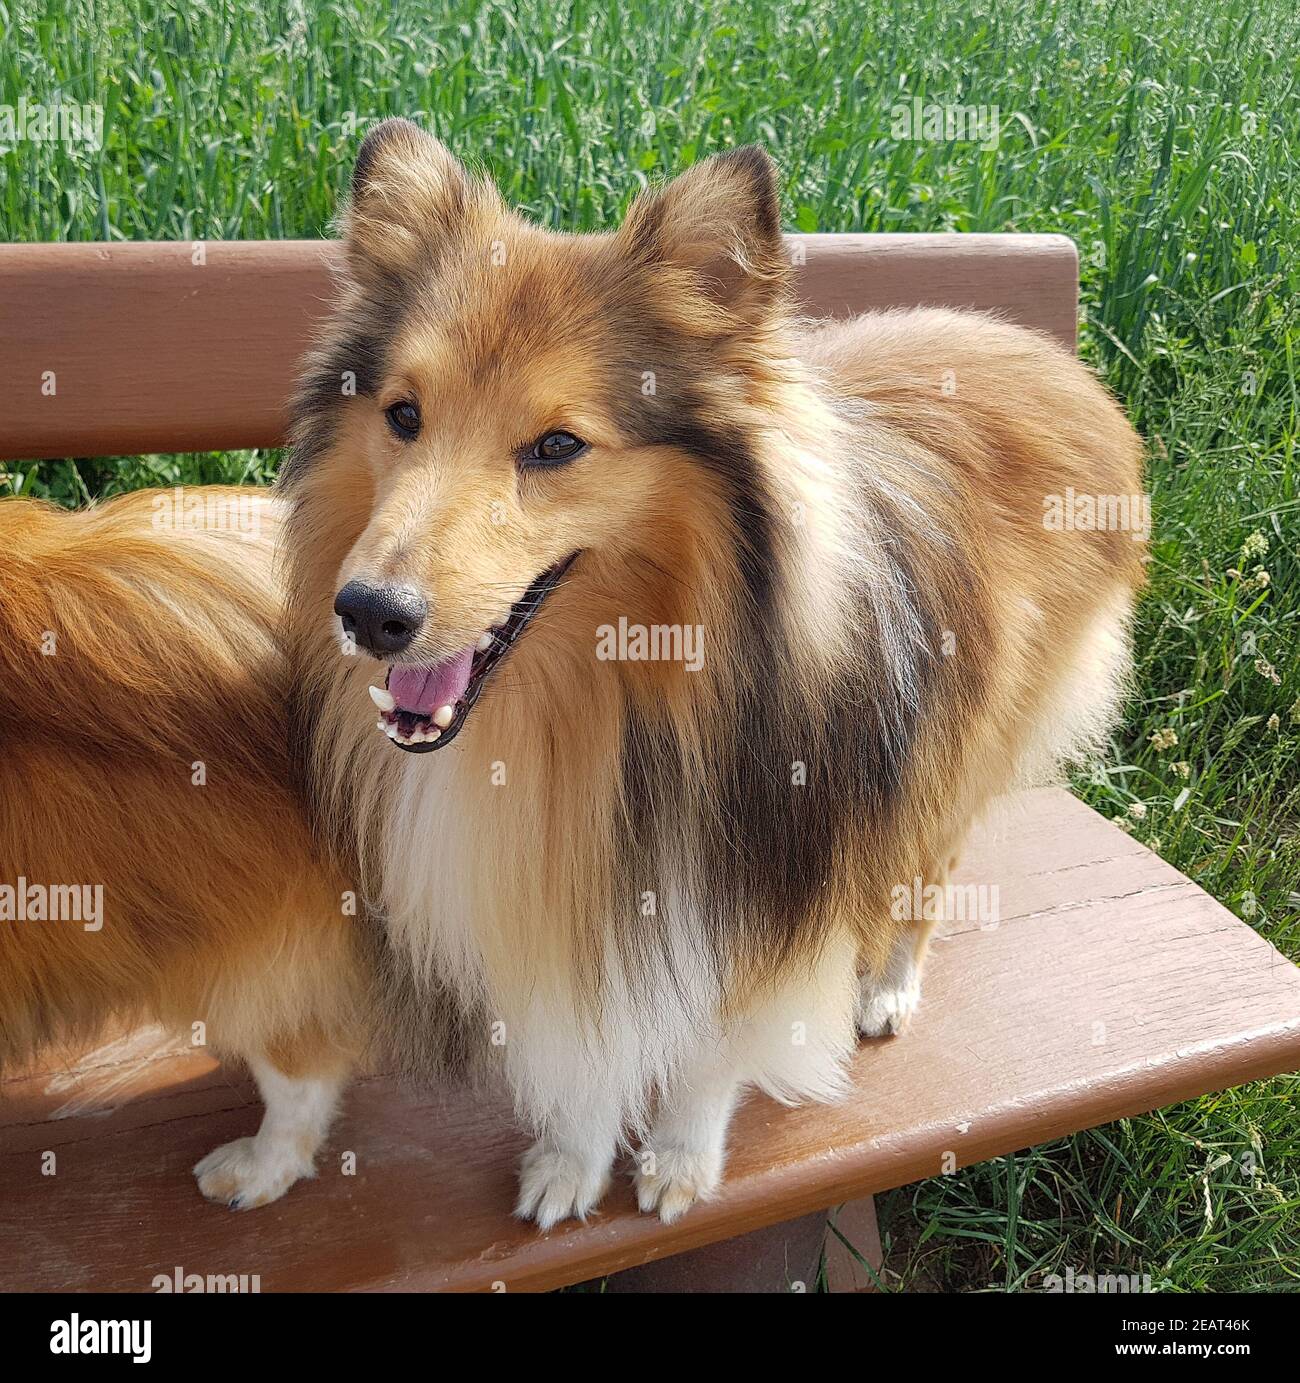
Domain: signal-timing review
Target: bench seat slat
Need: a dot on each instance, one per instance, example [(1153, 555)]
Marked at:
[(1110, 986)]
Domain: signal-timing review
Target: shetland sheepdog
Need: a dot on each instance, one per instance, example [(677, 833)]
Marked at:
[(155, 865), (654, 882)]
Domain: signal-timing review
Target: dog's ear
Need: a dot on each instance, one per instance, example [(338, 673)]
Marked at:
[(408, 194), (720, 222)]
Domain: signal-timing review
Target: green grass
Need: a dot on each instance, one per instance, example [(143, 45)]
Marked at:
[(1163, 136)]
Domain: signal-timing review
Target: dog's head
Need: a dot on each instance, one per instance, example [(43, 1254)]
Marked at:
[(508, 419)]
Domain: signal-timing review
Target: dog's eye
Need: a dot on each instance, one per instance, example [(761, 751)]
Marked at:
[(404, 419), (554, 449)]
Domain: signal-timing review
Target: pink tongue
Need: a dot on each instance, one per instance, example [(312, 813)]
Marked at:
[(422, 690)]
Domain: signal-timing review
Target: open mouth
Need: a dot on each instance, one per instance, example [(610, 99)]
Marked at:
[(423, 708)]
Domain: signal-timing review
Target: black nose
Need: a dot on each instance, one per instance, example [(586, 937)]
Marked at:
[(382, 619)]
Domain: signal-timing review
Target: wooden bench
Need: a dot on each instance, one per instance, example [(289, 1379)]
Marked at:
[(1110, 986)]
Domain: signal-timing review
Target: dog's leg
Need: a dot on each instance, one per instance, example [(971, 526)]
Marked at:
[(255, 1171), (566, 1171), (682, 1158), (888, 1000), (792, 1043)]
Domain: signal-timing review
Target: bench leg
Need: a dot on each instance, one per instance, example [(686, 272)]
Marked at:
[(780, 1258), (856, 1222)]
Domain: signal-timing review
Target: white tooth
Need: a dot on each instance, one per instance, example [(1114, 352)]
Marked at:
[(382, 698), (484, 642), (433, 735), (391, 731), (382, 723), (443, 716)]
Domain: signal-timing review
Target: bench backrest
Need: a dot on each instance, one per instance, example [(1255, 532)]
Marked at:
[(121, 349)]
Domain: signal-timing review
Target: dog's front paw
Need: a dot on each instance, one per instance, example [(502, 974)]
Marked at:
[(670, 1179), (559, 1184), (244, 1174), (885, 1009)]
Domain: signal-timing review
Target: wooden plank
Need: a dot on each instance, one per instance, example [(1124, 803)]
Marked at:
[(853, 1254), (782, 1257), (126, 1082), (153, 347), (1111, 985), (1029, 279)]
